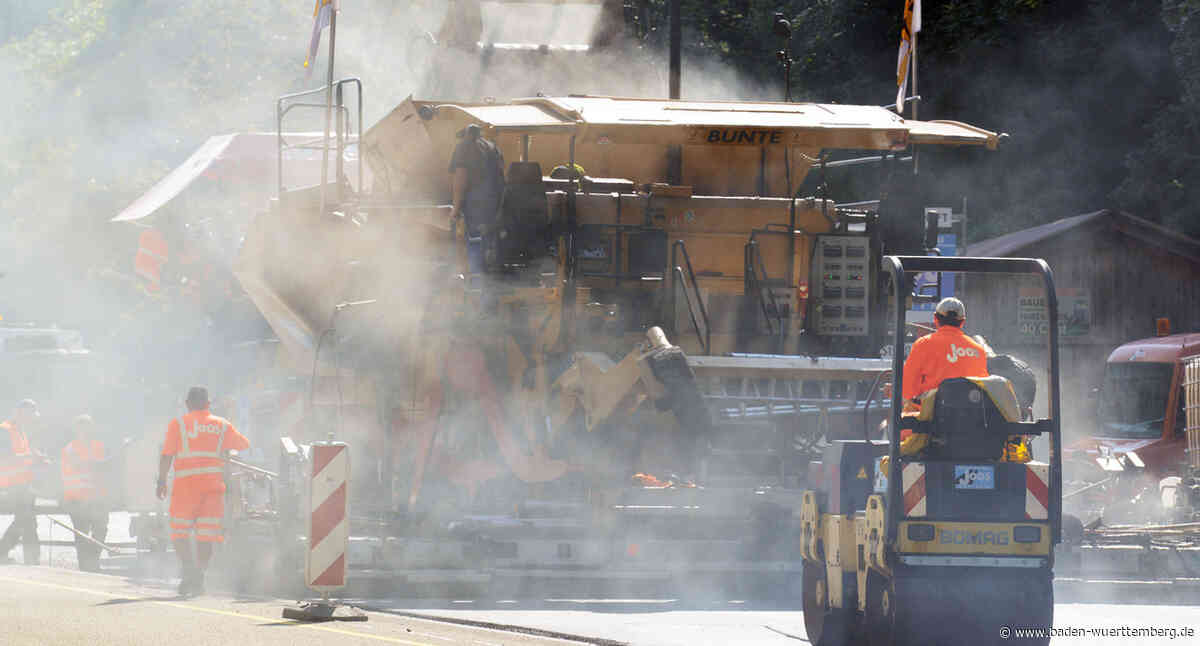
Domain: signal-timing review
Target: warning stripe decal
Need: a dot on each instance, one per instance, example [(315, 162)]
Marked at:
[(328, 515), (1037, 491), (335, 575), (329, 528), (322, 456), (329, 550), (913, 481), (325, 481)]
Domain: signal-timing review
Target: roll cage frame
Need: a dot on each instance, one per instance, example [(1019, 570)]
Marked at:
[(899, 268)]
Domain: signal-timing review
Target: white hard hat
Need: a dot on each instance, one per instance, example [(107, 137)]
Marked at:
[(951, 308)]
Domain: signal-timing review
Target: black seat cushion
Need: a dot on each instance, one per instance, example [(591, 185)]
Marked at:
[(966, 423)]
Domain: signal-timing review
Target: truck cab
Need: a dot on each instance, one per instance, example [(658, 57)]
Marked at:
[(1138, 437), (1140, 407)]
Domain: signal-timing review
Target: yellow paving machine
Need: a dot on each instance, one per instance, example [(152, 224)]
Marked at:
[(628, 371)]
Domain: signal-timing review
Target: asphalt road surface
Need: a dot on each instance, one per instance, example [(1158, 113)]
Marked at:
[(744, 623), (45, 605), (49, 605), (56, 605)]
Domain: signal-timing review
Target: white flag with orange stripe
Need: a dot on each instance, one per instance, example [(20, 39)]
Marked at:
[(912, 25), (322, 16)]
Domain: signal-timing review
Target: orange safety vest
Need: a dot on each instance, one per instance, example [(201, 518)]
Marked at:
[(16, 469), (944, 354), (198, 464), (77, 473), (150, 258)]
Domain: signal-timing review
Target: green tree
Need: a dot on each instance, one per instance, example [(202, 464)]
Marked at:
[(1163, 181)]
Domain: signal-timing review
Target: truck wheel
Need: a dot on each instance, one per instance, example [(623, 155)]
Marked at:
[(825, 626)]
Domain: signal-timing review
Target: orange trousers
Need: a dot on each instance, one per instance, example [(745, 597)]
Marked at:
[(197, 513)]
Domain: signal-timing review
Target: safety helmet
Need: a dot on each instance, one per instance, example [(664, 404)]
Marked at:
[(951, 309), (562, 171)]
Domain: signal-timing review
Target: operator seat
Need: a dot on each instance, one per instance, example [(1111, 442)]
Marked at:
[(524, 227), (969, 418)]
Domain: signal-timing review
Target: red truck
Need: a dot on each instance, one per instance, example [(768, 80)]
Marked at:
[(1140, 437)]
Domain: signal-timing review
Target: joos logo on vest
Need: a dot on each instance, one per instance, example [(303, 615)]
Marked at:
[(210, 429), (956, 352)]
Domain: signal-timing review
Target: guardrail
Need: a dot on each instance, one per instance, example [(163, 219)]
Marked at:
[(705, 337), (754, 266), (284, 106)]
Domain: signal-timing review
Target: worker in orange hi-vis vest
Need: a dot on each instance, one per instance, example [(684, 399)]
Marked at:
[(946, 353), (83, 496), (197, 443), (16, 483)]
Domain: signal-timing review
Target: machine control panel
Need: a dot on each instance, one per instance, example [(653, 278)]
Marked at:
[(842, 274)]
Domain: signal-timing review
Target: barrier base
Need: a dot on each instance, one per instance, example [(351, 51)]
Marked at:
[(323, 611)]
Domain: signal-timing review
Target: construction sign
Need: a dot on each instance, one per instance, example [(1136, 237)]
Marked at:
[(329, 530), (1074, 312)]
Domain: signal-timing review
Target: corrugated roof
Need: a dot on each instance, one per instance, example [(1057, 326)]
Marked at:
[(1012, 243)]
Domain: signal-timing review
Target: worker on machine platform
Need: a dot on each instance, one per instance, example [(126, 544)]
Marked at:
[(477, 182), (197, 443), (943, 354), (948, 353)]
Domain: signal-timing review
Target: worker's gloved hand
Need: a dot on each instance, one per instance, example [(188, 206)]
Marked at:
[(914, 444), (161, 491)]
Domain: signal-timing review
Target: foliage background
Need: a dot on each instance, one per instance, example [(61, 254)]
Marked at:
[(103, 97)]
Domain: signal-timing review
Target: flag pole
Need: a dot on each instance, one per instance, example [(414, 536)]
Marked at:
[(328, 103), (916, 101)]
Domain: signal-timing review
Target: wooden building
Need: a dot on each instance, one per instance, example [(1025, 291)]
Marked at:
[(1115, 275)]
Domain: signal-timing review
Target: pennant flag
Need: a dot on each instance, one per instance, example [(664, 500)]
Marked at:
[(322, 15), (912, 25)]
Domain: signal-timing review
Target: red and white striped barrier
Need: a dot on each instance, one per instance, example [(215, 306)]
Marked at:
[(329, 524), (1037, 490), (912, 480)]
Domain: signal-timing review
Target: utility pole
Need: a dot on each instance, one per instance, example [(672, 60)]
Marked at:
[(328, 103), (676, 48), (675, 153)]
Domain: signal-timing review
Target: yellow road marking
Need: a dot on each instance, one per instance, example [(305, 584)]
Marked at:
[(214, 611), (340, 631)]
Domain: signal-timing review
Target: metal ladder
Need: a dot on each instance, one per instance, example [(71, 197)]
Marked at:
[(681, 282)]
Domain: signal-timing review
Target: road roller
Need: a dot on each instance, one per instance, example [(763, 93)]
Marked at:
[(942, 533)]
